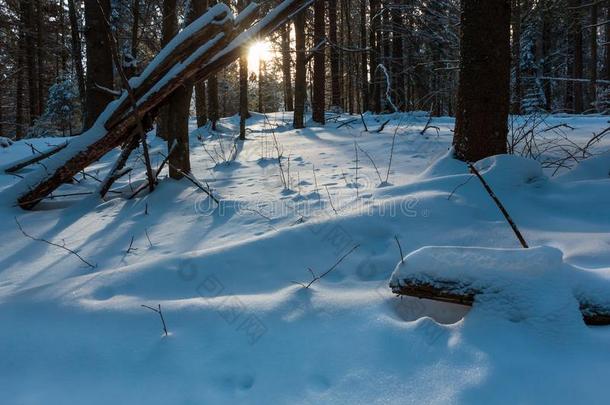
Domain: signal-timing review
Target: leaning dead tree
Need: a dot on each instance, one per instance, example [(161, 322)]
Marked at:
[(210, 43)]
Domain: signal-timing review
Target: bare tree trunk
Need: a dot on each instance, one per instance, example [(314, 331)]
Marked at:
[(363, 59), (77, 54), (300, 85), (577, 71), (517, 95), (201, 7), (547, 23), (179, 112), (319, 71), (168, 31), (374, 44), (261, 69), (607, 44), (335, 88), (213, 113), (286, 69), (19, 118), (396, 59), (286, 72), (28, 29), (40, 81), (243, 95), (99, 59), (593, 60), (483, 93)]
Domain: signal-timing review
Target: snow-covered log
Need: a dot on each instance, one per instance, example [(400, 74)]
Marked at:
[(183, 61), (531, 282)]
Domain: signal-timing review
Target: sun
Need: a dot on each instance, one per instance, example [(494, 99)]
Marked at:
[(259, 51)]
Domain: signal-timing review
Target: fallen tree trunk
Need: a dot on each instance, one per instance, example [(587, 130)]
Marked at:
[(16, 166), (120, 120), (458, 293)]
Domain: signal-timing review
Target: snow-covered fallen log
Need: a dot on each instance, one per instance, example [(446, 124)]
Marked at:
[(519, 284), (183, 61)]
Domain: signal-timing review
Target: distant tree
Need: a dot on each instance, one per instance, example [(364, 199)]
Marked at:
[(62, 112)]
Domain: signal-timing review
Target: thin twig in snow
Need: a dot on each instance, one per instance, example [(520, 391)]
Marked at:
[(160, 315), (63, 246), (316, 278)]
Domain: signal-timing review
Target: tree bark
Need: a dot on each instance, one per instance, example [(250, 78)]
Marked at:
[(28, 30), (517, 95), (300, 85), (319, 71), (77, 53), (99, 59), (577, 71), (396, 60), (483, 92), (213, 113), (607, 43), (374, 44), (201, 7), (40, 77), (547, 24), (364, 81), (593, 59), (20, 87), (335, 87), (286, 69), (261, 73), (168, 30)]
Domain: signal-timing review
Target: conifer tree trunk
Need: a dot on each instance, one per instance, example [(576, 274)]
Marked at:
[(396, 60), (547, 23), (319, 71), (335, 88), (213, 112), (374, 44), (168, 30), (364, 81), (244, 114), (483, 92), (19, 118), (40, 78), (577, 57), (607, 44), (261, 69), (179, 112), (77, 54), (28, 29), (99, 59), (593, 57), (300, 85), (516, 59), (286, 69)]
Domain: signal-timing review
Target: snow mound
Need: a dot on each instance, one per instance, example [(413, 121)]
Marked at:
[(594, 168), (5, 142), (446, 165), (509, 170), (521, 285)]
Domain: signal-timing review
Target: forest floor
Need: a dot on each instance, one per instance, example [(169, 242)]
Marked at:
[(242, 331)]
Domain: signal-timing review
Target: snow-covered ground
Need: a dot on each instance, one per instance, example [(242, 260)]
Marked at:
[(242, 331)]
